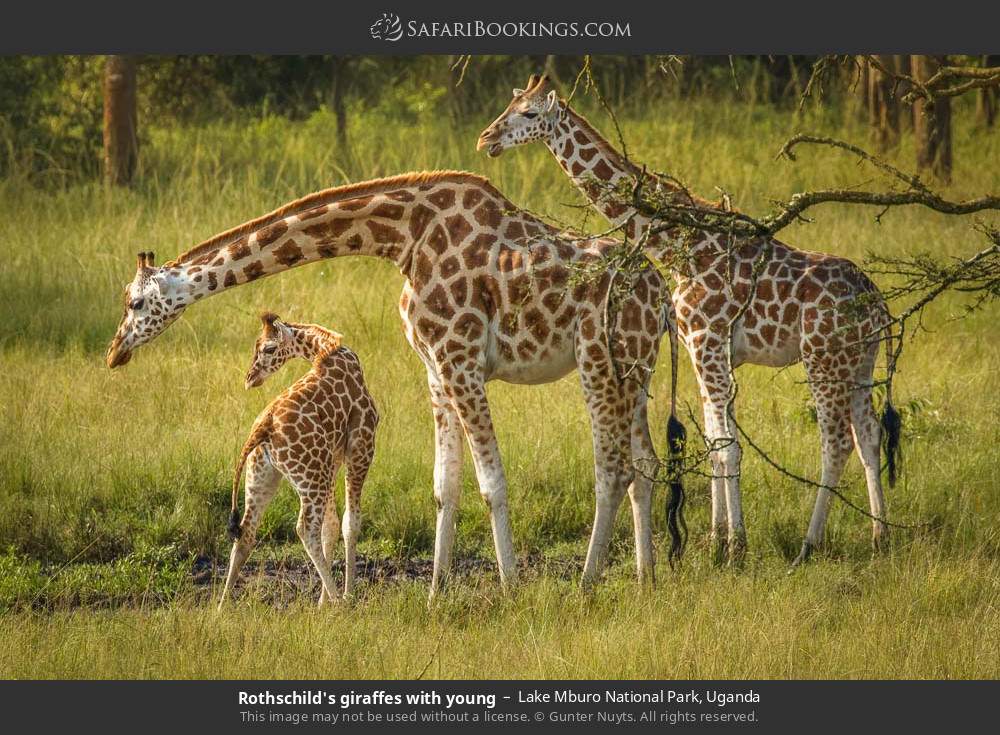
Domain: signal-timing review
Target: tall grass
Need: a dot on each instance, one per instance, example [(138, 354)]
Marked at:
[(97, 467)]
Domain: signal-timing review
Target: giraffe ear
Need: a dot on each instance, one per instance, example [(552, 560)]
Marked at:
[(552, 98), (518, 92)]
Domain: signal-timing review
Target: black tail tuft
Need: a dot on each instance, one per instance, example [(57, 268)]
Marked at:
[(892, 426), (234, 525), (676, 526)]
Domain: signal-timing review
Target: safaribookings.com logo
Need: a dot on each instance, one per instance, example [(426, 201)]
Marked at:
[(390, 28)]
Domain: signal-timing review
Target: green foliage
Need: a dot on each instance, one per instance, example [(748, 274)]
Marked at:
[(150, 576)]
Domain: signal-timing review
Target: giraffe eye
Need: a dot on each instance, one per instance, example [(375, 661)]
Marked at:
[(137, 304), (269, 350), (530, 114)]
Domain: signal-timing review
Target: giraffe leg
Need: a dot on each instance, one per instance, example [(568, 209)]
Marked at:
[(832, 398), (261, 483), (610, 421), (474, 413), (867, 439), (314, 495), (330, 535), (715, 384), (719, 538), (836, 448), (357, 470), (640, 491), (447, 479)]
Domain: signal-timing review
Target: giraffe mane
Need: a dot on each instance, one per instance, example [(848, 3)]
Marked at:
[(328, 196)]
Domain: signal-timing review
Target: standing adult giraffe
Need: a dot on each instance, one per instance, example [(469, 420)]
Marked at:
[(813, 307), (491, 293)]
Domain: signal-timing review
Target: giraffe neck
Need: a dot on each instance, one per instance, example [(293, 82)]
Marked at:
[(596, 167), (384, 223), (312, 342), (592, 163)]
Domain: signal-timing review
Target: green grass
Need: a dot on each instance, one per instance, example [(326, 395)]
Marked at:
[(111, 482)]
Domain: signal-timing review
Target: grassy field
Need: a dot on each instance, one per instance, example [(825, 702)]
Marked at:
[(114, 486)]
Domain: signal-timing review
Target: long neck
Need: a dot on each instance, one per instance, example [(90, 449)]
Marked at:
[(595, 166), (311, 341), (384, 225)]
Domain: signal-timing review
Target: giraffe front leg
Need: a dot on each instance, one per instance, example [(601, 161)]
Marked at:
[(261, 484), (474, 414), (447, 480)]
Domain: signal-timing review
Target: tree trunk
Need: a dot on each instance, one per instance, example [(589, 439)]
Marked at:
[(855, 81), (986, 102), (121, 141), (337, 99), (883, 105), (932, 122)]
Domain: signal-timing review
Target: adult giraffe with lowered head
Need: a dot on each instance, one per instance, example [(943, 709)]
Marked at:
[(813, 307), (491, 293)]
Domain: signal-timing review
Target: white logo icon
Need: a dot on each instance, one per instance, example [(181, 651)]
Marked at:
[(387, 28)]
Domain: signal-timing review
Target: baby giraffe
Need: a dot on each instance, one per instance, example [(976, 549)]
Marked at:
[(325, 419)]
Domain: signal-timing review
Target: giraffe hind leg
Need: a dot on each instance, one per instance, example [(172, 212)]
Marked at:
[(314, 495), (867, 441), (832, 397), (330, 536), (262, 480)]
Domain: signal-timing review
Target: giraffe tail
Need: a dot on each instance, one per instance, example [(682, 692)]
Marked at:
[(892, 423), (676, 439), (257, 437)]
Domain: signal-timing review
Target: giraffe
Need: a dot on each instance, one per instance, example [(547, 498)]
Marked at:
[(811, 307), (491, 293), (325, 419)]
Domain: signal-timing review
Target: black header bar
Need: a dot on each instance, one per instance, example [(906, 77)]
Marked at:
[(510, 27)]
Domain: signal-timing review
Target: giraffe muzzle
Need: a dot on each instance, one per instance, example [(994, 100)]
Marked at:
[(491, 142), (117, 356)]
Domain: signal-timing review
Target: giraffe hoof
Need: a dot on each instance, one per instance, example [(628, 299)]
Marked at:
[(803, 556)]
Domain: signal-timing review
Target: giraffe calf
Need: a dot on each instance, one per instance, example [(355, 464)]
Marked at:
[(325, 419)]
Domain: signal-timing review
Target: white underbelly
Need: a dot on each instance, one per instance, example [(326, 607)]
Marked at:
[(552, 367), (780, 355)]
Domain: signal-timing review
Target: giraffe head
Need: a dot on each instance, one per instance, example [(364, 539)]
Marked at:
[(533, 114), (273, 348), (151, 305)]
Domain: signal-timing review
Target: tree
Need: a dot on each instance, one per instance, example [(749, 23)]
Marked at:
[(883, 104), (932, 120), (121, 141), (337, 104)]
